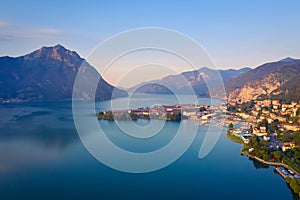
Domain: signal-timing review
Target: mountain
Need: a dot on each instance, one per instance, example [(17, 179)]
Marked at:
[(275, 80), (289, 59), (48, 74), (182, 83)]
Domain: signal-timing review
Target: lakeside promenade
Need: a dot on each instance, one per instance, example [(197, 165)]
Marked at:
[(276, 164)]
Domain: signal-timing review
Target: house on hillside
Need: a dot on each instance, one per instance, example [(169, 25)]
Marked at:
[(291, 127), (287, 145)]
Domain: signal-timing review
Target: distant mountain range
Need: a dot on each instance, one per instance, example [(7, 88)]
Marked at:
[(182, 83), (48, 74), (276, 80)]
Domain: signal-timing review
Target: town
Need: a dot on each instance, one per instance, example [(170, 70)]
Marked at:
[(270, 133)]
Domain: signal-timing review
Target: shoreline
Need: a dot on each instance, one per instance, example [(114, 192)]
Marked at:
[(236, 140), (275, 164)]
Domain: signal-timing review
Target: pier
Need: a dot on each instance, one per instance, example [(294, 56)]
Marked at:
[(279, 171)]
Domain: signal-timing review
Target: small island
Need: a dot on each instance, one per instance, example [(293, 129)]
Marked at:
[(175, 112)]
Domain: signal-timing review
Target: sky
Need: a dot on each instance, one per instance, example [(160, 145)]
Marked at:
[(235, 34)]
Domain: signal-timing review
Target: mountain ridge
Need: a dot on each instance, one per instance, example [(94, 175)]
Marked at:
[(198, 80), (273, 80), (47, 74)]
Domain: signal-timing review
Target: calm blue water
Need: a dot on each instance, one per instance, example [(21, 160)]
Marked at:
[(41, 157)]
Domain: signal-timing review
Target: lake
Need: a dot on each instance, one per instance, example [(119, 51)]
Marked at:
[(42, 157)]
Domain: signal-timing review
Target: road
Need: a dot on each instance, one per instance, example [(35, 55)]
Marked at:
[(273, 140)]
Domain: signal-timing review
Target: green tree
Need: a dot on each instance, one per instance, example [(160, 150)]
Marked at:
[(298, 111), (286, 137), (289, 153), (277, 155), (230, 126), (295, 186), (296, 137), (259, 113), (265, 156), (254, 142), (263, 123), (264, 142), (273, 127), (296, 154)]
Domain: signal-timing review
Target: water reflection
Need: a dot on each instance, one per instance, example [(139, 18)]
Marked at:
[(41, 157), (258, 165), (33, 134)]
